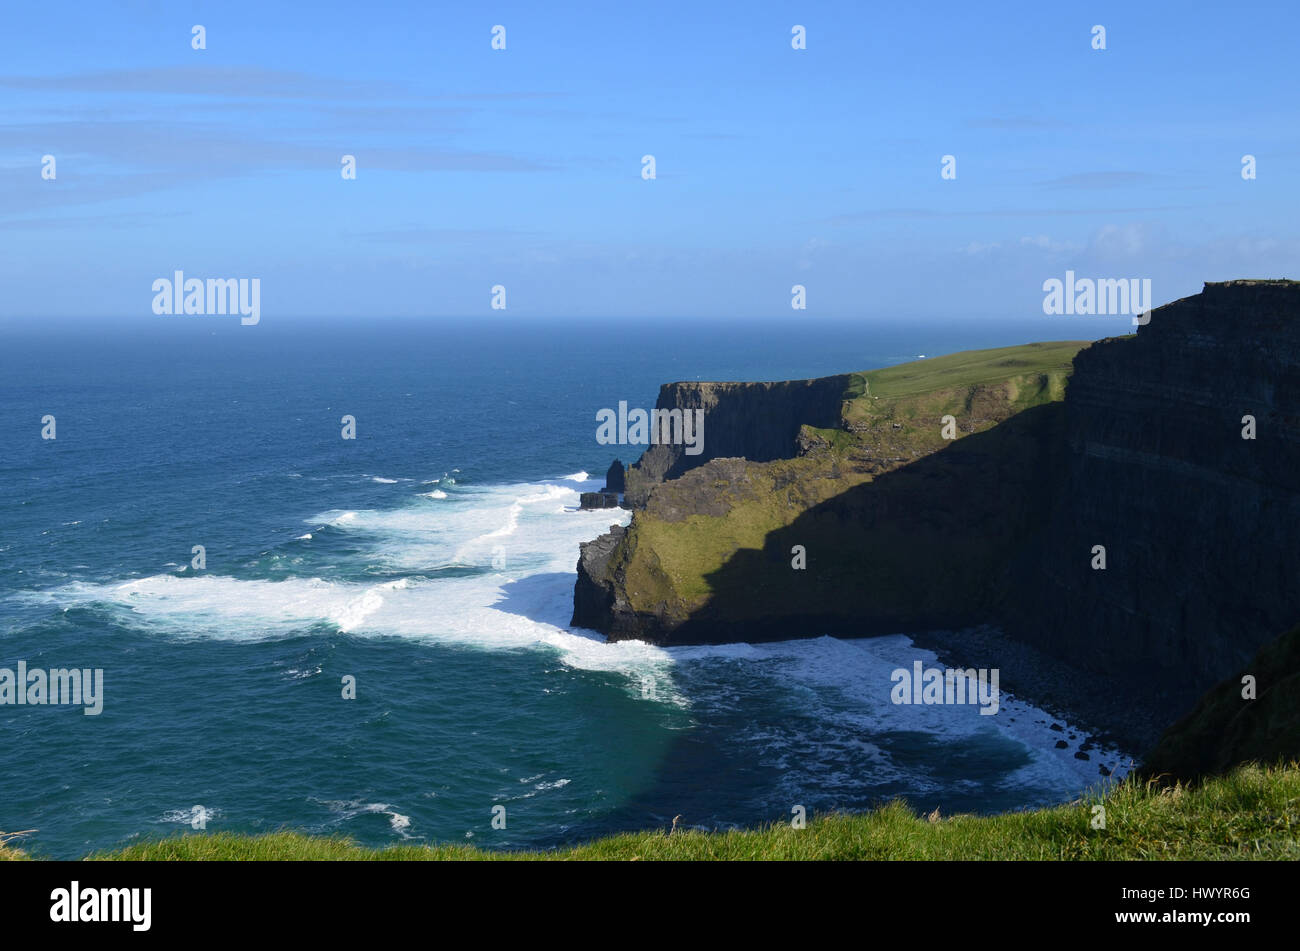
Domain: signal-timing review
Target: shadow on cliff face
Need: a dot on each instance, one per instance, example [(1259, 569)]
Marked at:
[(1234, 724), (1197, 523), (1198, 520), (935, 543)]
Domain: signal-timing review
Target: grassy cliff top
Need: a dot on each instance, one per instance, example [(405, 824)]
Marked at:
[(681, 551), (1253, 281), (1252, 813), (969, 368)]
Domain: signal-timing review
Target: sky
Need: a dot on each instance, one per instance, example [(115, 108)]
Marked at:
[(522, 167)]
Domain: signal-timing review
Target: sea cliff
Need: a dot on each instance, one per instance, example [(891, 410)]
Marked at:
[(838, 506)]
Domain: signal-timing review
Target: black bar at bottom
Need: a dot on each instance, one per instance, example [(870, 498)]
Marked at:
[(335, 899)]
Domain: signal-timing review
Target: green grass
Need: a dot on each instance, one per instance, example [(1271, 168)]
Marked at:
[(675, 558), (1250, 813), (676, 561), (971, 368)]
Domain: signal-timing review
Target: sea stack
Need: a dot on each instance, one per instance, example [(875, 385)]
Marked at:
[(614, 478)]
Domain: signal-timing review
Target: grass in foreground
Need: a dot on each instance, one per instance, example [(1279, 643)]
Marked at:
[(1251, 813)]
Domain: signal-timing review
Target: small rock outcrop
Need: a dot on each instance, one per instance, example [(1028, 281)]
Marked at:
[(614, 478)]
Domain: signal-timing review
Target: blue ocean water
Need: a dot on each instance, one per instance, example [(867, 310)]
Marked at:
[(431, 558)]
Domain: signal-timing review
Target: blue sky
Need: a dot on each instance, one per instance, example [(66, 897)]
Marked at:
[(522, 167)]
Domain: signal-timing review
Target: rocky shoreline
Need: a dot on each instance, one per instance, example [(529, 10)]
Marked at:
[(1102, 716)]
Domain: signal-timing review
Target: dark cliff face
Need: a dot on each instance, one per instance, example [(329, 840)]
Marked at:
[(1145, 457), (755, 421), (593, 601), (1201, 527)]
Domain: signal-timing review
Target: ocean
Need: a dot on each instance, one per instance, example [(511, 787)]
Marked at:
[(432, 559)]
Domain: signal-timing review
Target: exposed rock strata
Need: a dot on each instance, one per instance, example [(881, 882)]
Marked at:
[(1201, 527), (1145, 456), (756, 421)]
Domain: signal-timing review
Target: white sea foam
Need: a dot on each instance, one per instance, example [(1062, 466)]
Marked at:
[(225, 608), (350, 809), (435, 494), (845, 685), (295, 673), (187, 815), (529, 603), (841, 687), (383, 480)]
